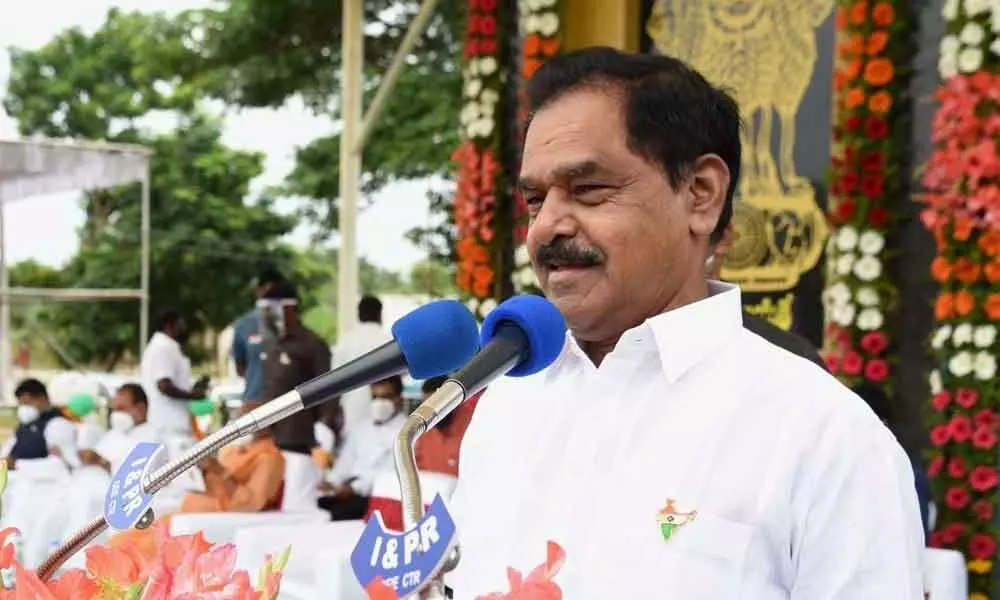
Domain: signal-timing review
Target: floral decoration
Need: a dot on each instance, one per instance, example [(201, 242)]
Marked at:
[(540, 40), (161, 567), (870, 97), (962, 210), (479, 173)]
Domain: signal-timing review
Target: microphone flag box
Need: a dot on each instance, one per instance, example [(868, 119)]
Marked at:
[(126, 500), (405, 561)]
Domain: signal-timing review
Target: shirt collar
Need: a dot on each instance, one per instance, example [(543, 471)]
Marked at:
[(167, 338), (682, 337)]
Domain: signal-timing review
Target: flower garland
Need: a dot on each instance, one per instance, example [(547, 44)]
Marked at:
[(479, 170), (869, 94), (962, 210), (541, 40)]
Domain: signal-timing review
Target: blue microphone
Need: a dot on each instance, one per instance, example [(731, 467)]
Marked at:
[(520, 337)]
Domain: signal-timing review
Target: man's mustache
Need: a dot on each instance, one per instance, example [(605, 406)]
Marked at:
[(564, 252)]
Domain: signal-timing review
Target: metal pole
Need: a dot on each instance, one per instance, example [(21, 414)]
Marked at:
[(144, 283), (6, 370), (350, 161), (413, 34)]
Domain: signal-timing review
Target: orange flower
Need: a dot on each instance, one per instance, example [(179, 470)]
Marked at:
[(879, 71), (74, 585), (993, 307), (855, 98), (877, 42), (944, 307), (989, 242), (964, 303), (859, 13), (880, 102), (539, 584), (841, 18), (852, 47), (966, 271), (529, 67), (962, 230), (883, 14), (993, 271), (852, 70), (532, 44), (940, 269)]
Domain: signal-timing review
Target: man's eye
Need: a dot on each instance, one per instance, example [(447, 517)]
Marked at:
[(581, 189)]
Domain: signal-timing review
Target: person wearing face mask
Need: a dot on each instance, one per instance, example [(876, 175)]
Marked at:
[(128, 426), (367, 453), (42, 430), (166, 377)]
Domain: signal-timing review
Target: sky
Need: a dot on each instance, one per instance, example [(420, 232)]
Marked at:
[(45, 228)]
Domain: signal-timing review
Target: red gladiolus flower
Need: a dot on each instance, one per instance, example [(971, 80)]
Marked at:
[(956, 467), (876, 370), (849, 182), (966, 397), (878, 217), (934, 468), (961, 428), (487, 5), (983, 478), (487, 25), (876, 128), (983, 509), (874, 342), (487, 47), (852, 363), (934, 540), (940, 435), (987, 418), (845, 210), (985, 438), (832, 363), (957, 498), (982, 546), (941, 400), (873, 161), (852, 123), (872, 186)]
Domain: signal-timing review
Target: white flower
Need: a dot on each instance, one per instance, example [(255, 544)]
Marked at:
[(995, 46), (532, 24), (548, 24), (525, 278), (984, 336), (970, 59), (847, 238), (867, 296), (960, 365), (985, 366), (995, 18), (842, 314), (972, 34), (480, 128), (487, 65), (950, 10), (868, 268), (962, 335), (871, 242), (487, 306), (489, 96), (522, 257), (942, 335), (844, 263), (545, 3), (976, 7), (472, 304), (947, 66), (950, 46), (470, 112), (870, 319), (473, 87), (838, 294), (934, 379)]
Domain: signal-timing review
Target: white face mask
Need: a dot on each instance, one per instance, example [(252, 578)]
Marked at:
[(383, 409), (122, 421), (27, 413)]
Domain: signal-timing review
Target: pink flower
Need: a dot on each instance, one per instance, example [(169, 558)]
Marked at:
[(538, 585)]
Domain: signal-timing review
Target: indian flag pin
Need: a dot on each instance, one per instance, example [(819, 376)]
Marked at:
[(670, 519)]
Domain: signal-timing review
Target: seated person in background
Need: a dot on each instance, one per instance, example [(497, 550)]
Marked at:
[(42, 430), (437, 449), (128, 427), (247, 477), (367, 453), (329, 434)]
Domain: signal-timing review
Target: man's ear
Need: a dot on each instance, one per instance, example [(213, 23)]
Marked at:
[(708, 185)]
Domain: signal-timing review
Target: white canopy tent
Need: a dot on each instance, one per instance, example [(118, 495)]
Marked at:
[(38, 167)]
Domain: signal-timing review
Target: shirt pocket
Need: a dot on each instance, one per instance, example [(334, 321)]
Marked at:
[(710, 554)]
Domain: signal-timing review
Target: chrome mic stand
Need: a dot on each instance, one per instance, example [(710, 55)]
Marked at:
[(448, 397), (257, 419)]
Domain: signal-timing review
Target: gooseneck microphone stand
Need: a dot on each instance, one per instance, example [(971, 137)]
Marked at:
[(257, 419)]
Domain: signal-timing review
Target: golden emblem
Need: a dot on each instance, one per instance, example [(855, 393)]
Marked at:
[(764, 51)]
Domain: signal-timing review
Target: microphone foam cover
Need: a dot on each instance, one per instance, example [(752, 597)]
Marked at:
[(542, 324), (437, 338)]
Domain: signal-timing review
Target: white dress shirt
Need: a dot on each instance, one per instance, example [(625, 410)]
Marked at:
[(800, 491), (367, 453), (164, 359), (115, 446), (362, 338)]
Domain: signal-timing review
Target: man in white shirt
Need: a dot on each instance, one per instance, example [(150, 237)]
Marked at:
[(364, 337), (166, 377), (366, 455), (42, 431), (669, 451), (128, 427)]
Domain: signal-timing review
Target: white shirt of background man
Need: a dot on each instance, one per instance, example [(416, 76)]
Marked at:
[(164, 359)]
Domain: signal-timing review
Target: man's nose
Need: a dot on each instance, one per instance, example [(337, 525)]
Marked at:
[(555, 218)]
